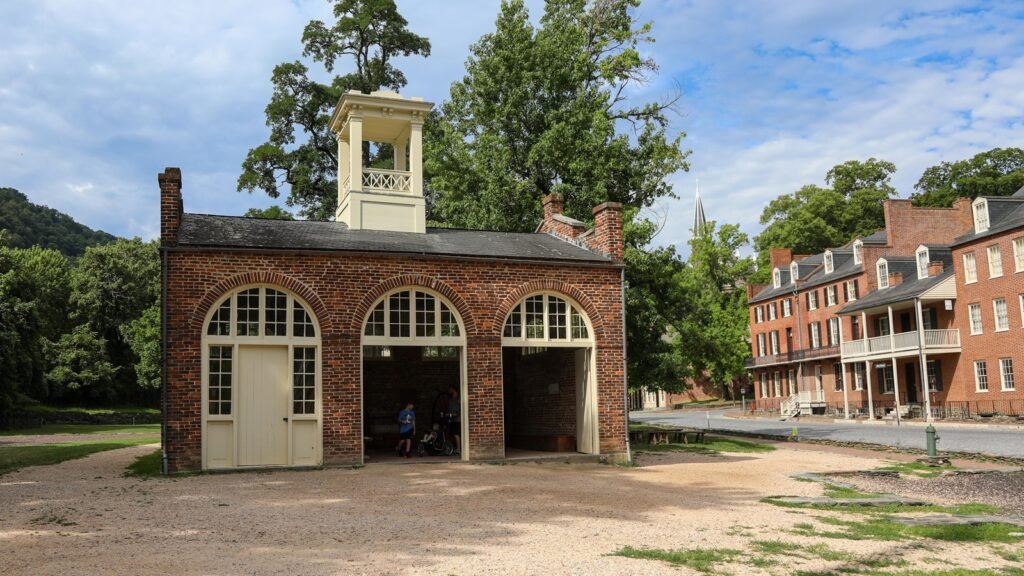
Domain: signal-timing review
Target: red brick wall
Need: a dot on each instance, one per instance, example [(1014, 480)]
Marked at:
[(340, 289), (907, 226), (540, 393), (989, 346)]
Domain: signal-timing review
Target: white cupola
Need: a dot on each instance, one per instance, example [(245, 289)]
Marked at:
[(376, 198)]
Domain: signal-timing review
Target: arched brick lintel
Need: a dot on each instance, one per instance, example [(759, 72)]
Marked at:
[(412, 281), (260, 277), (558, 287)]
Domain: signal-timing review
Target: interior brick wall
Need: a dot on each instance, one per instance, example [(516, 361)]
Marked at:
[(540, 393)]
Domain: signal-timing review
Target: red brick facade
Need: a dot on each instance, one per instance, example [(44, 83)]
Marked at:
[(341, 287)]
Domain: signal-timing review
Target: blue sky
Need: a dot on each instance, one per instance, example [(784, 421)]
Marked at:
[(97, 97)]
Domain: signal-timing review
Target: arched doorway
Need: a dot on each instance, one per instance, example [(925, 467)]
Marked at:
[(261, 386), (550, 392), (413, 350)]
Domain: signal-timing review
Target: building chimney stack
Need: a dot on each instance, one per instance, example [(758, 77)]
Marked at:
[(607, 236), (170, 205), (553, 204), (895, 279), (780, 257), (935, 268)]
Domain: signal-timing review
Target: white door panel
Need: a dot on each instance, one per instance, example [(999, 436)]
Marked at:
[(263, 411)]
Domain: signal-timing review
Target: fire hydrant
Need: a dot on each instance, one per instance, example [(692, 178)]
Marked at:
[(930, 439)]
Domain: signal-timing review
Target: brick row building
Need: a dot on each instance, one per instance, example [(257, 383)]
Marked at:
[(936, 296)]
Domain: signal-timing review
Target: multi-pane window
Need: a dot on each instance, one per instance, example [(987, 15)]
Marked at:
[(934, 376), (970, 268), (1018, 254), (449, 324), (425, 310), (787, 308), (772, 311), (815, 335), (275, 312), (546, 317), (829, 267), (830, 296), (1006, 373), (302, 322), (882, 268), (375, 322), (1002, 316), (974, 311), (886, 380), (400, 315), (764, 384), (922, 262), (852, 289), (995, 261), (794, 271), (777, 383), (833, 331), (439, 352), (812, 300), (858, 376), (220, 323), (377, 353), (774, 341), (760, 345), (219, 383), (791, 382), (883, 326), (980, 376), (837, 369), (980, 216), (247, 309), (858, 249), (758, 314), (304, 380)]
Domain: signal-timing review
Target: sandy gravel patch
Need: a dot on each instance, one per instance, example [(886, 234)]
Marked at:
[(84, 517)]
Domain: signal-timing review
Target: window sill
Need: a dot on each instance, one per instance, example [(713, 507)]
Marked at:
[(1001, 330), (970, 281), (994, 277), (980, 391), (977, 333), (1008, 390)]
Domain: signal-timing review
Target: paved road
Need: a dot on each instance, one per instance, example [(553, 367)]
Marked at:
[(991, 440)]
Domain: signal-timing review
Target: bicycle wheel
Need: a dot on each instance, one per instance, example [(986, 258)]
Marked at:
[(449, 448)]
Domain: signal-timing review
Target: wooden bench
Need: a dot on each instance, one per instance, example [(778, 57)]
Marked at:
[(655, 436)]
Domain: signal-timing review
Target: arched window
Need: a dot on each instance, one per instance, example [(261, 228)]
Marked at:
[(829, 266), (883, 273), (794, 271), (546, 319), (413, 316), (261, 312)]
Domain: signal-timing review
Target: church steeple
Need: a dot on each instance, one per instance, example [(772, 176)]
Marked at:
[(699, 221)]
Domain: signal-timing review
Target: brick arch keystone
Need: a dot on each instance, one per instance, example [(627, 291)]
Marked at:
[(556, 286), (412, 281), (261, 277)]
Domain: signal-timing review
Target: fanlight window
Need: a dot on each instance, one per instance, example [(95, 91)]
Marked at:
[(547, 318), (413, 315), (255, 312)]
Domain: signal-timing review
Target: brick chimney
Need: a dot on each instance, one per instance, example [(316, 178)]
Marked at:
[(780, 257), (553, 204), (170, 205), (895, 279), (607, 236), (964, 215), (935, 268)]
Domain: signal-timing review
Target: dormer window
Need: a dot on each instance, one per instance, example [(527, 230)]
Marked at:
[(776, 278), (980, 215), (922, 262), (858, 251), (794, 272), (883, 273), (828, 262)]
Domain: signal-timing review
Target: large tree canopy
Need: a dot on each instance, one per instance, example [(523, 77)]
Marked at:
[(544, 110), (300, 156), (998, 172), (815, 218)]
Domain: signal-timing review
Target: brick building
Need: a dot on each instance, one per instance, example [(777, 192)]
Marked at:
[(853, 329), (295, 343)]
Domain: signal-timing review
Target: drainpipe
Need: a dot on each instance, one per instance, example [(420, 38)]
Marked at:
[(924, 360), (800, 346), (163, 361), (625, 366)]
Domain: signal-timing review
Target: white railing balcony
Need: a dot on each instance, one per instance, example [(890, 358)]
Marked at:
[(902, 343), (380, 180)]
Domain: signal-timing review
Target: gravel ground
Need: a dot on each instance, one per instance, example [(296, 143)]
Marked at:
[(85, 517), (1002, 489)]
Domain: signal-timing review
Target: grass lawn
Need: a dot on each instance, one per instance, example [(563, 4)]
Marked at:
[(147, 466), (880, 528), (917, 469), (44, 408), (711, 445), (15, 457), (84, 429), (701, 559)]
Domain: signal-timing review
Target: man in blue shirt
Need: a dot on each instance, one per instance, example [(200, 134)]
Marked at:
[(406, 430)]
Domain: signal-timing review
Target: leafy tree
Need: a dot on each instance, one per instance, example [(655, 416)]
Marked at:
[(45, 279), (20, 335), (544, 110), (143, 336), (81, 369), (29, 224), (372, 33), (269, 213), (814, 218), (997, 172)]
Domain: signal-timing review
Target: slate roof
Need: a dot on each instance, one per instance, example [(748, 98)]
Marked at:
[(203, 230), (1004, 213), (878, 237), (910, 287), (812, 273)]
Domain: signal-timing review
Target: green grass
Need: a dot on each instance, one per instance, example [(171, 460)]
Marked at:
[(1010, 555), (712, 445), (918, 469), (701, 559), (638, 426), (146, 466), (954, 572), (44, 408), (965, 509), (882, 528), (836, 491), (84, 429), (16, 457)]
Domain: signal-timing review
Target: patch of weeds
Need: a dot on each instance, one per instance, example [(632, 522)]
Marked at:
[(1010, 555), (884, 529), (762, 562), (846, 493), (777, 547), (146, 466), (700, 559), (711, 445), (836, 491), (54, 519), (919, 469)]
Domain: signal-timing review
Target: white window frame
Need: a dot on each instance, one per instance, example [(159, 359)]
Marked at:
[(858, 251), (773, 340), (922, 263), (1018, 254), (758, 314), (882, 271), (1005, 316), (815, 335), (829, 262), (812, 300), (886, 378), (831, 299), (851, 290), (787, 308), (970, 268), (981, 220), (764, 384), (572, 310), (777, 383), (773, 313), (761, 348), (834, 332), (858, 376), (388, 339), (1021, 300), (794, 271), (776, 278), (838, 377), (980, 376), (977, 323), (995, 261), (1006, 377)]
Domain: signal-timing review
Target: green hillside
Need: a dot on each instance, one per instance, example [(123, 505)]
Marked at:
[(26, 224)]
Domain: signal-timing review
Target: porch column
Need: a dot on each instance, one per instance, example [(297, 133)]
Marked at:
[(355, 147), (867, 377), (923, 357), (892, 358), (400, 147), (842, 368)]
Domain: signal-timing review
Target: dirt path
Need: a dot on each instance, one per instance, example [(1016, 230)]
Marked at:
[(31, 439), (84, 517)]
